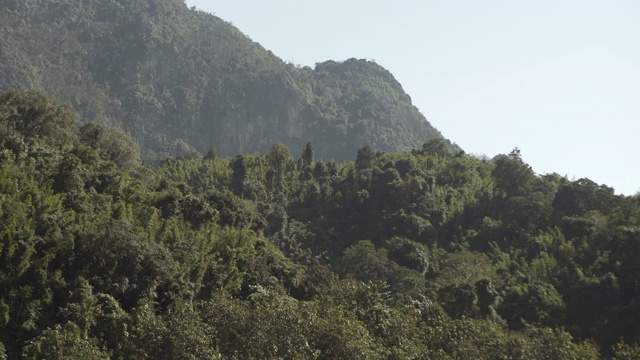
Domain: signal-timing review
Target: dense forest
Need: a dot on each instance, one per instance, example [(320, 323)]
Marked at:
[(179, 80), (169, 189), (427, 254)]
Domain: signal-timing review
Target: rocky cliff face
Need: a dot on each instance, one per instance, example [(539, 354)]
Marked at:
[(180, 80)]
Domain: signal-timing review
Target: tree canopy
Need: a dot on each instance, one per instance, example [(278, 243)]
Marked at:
[(422, 254)]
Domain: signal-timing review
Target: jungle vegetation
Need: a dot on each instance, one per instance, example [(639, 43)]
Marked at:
[(425, 254), (169, 189)]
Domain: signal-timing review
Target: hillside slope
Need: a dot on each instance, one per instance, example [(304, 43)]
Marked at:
[(418, 255), (180, 79)]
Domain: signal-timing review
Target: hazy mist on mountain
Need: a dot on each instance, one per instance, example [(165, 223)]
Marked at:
[(180, 80)]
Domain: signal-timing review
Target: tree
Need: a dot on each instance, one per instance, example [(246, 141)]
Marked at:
[(365, 262), (538, 304), (111, 144), (365, 158), (35, 115), (212, 153), (409, 253), (239, 175), (512, 175), (459, 300), (515, 154), (437, 146), (279, 157), (63, 342), (307, 154)]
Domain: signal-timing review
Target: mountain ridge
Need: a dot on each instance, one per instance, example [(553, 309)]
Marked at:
[(180, 80)]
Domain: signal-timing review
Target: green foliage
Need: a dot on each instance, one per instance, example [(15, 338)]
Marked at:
[(538, 304), (436, 146), (512, 175), (624, 351), (180, 333), (111, 144), (408, 253), (365, 158), (63, 343), (308, 154), (34, 115), (262, 256)]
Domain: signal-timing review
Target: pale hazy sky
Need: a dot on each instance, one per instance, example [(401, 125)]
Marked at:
[(558, 79)]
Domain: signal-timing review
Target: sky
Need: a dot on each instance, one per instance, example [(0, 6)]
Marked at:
[(558, 79)]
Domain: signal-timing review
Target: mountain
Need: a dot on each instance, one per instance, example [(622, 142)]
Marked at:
[(179, 80), (421, 254)]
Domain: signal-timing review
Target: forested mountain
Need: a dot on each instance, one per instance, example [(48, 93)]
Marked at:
[(419, 255), (180, 79), (270, 246)]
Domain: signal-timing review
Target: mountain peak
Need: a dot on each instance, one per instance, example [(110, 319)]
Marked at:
[(180, 80)]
